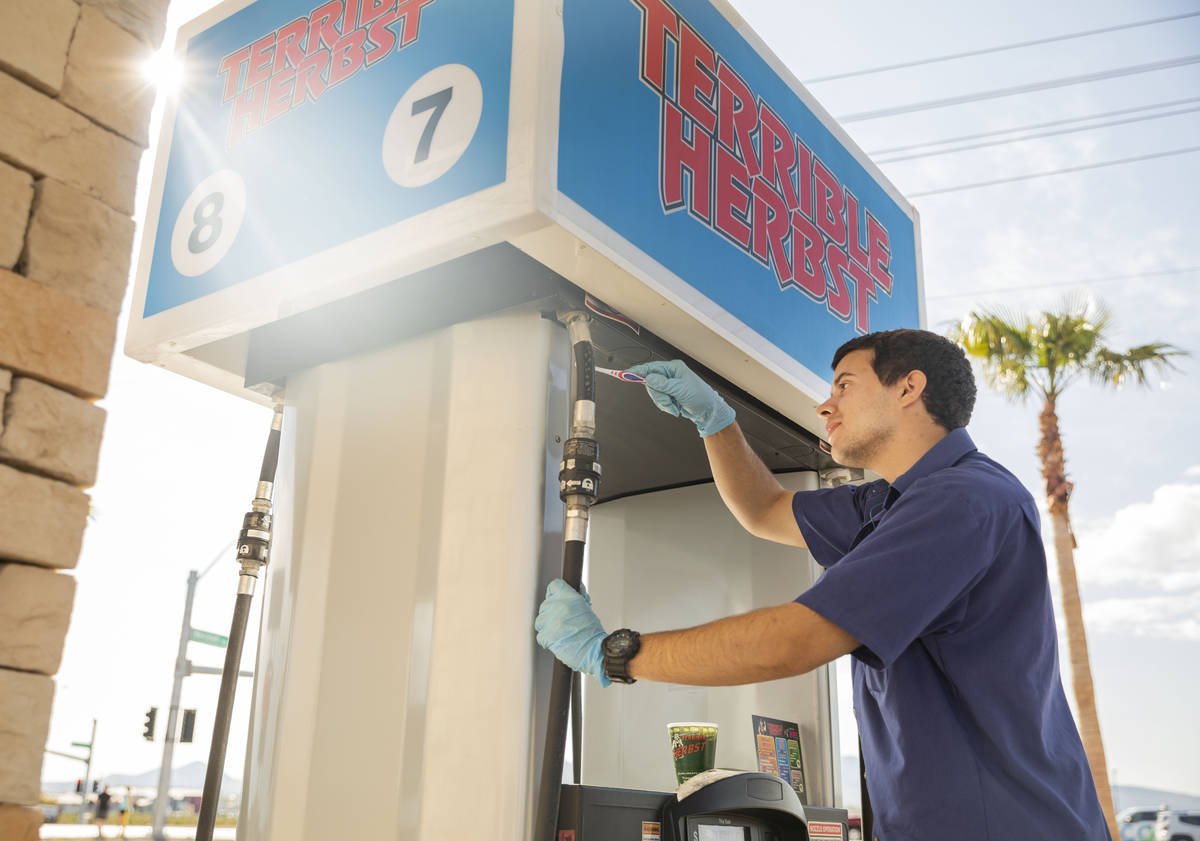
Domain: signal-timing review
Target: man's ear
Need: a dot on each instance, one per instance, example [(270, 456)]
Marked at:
[(912, 387)]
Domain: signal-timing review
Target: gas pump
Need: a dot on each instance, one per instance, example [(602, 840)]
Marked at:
[(711, 569), (374, 205)]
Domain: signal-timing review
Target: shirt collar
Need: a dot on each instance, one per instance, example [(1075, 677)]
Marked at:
[(944, 453)]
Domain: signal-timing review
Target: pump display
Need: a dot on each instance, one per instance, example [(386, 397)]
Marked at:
[(396, 220)]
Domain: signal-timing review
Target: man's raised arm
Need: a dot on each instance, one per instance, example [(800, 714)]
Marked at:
[(749, 490)]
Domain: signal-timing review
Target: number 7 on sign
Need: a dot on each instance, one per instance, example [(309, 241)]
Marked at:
[(437, 103), (432, 125)]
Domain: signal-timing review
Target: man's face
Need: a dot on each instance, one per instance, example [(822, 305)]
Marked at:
[(861, 416)]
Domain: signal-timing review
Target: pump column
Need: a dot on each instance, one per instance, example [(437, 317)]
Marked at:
[(396, 661)]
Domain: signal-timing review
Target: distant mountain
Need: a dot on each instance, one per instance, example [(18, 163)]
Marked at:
[(188, 777), (1127, 796)]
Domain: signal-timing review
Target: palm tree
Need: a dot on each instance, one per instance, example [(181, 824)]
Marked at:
[(1042, 355)]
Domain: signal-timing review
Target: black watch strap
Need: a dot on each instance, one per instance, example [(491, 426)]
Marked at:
[(619, 648)]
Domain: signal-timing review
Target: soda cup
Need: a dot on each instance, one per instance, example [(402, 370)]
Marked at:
[(693, 748)]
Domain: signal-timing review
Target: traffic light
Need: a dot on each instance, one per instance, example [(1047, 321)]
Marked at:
[(189, 725), (95, 786), (79, 786), (148, 731)]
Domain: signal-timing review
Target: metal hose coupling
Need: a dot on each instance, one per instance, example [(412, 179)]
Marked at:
[(579, 471), (254, 540)]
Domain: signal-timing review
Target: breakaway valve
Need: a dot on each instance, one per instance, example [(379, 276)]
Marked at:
[(579, 470)]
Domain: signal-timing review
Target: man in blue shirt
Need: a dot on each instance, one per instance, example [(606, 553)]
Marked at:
[(935, 582)]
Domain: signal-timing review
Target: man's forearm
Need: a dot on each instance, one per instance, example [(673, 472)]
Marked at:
[(749, 490), (765, 644)]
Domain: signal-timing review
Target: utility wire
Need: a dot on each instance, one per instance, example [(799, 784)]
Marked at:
[(217, 557), (1033, 175), (1036, 136), (1083, 282), (986, 50), (1033, 126), (1029, 88)]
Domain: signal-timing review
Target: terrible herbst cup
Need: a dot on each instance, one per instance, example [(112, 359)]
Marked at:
[(693, 747)]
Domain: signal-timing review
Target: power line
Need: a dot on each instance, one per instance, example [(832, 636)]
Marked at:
[(217, 557), (1029, 88), (1034, 126), (986, 50), (1055, 172), (1083, 282), (1036, 136)]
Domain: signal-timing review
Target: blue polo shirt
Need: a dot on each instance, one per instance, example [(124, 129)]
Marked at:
[(966, 733)]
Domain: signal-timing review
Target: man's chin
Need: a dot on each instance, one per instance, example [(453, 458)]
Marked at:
[(847, 458)]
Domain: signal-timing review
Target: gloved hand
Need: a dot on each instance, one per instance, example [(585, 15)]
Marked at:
[(568, 627), (676, 390)]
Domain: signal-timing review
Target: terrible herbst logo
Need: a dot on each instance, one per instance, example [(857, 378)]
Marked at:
[(301, 60), (728, 157)]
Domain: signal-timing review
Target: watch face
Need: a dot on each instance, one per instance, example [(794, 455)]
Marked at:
[(619, 643)]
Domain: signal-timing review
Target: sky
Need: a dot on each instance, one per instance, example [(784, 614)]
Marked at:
[(180, 460)]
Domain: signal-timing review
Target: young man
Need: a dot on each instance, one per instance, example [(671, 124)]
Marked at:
[(935, 582)]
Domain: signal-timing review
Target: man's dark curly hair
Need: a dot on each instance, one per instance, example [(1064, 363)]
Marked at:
[(949, 394)]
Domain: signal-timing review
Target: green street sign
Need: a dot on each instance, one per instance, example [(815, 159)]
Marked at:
[(209, 638), (81, 744)]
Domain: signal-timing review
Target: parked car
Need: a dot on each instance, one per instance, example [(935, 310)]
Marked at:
[(1177, 826), (1137, 823)]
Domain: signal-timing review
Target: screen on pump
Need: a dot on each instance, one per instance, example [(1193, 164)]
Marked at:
[(708, 832)]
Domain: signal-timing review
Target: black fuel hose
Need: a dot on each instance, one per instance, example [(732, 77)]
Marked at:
[(579, 484), (220, 738), (253, 550)]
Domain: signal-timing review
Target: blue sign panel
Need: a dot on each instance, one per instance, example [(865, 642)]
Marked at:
[(677, 134), (304, 126)]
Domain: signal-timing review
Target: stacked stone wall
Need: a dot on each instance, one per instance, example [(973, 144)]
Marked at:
[(74, 116)]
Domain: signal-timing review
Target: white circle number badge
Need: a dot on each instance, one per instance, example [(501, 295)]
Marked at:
[(208, 223), (432, 125)]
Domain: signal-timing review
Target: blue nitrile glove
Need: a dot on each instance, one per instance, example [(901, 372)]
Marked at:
[(568, 627), (676, 390)]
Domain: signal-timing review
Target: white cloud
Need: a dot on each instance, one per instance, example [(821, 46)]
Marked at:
[(1153, 549), (1151, 544), (1171, 617)]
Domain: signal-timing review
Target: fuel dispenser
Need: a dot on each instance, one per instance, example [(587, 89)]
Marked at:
[(374, 216), (666, 553)]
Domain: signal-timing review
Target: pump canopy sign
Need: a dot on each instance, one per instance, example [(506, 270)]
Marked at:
[(319, 149), (305, 125), (681, 138)]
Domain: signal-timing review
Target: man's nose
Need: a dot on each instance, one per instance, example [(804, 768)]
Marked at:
[(825, 408)]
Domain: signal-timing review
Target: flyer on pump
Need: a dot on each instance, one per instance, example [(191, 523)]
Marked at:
[(777, 745)]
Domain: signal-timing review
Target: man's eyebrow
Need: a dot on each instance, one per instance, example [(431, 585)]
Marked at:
[(839, 377)]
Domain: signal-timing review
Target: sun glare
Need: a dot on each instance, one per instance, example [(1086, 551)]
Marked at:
[(163, 70)]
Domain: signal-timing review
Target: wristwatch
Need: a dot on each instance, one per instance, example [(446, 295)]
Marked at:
[(619, 648)]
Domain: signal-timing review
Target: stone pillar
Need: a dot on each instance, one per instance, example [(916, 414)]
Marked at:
[(74, 115)]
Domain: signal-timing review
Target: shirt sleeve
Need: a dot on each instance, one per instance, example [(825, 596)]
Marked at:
[(828, 520), (912, 575)]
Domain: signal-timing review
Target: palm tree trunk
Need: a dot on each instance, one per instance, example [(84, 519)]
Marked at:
[(1058, 491)]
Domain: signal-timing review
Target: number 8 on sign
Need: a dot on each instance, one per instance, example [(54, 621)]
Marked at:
[(208, 223), (432, 125)]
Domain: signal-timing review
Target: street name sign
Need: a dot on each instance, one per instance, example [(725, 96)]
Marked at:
[(209, 638)]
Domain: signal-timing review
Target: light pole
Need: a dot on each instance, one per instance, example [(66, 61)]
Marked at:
[(183, 668), (86, 760)]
